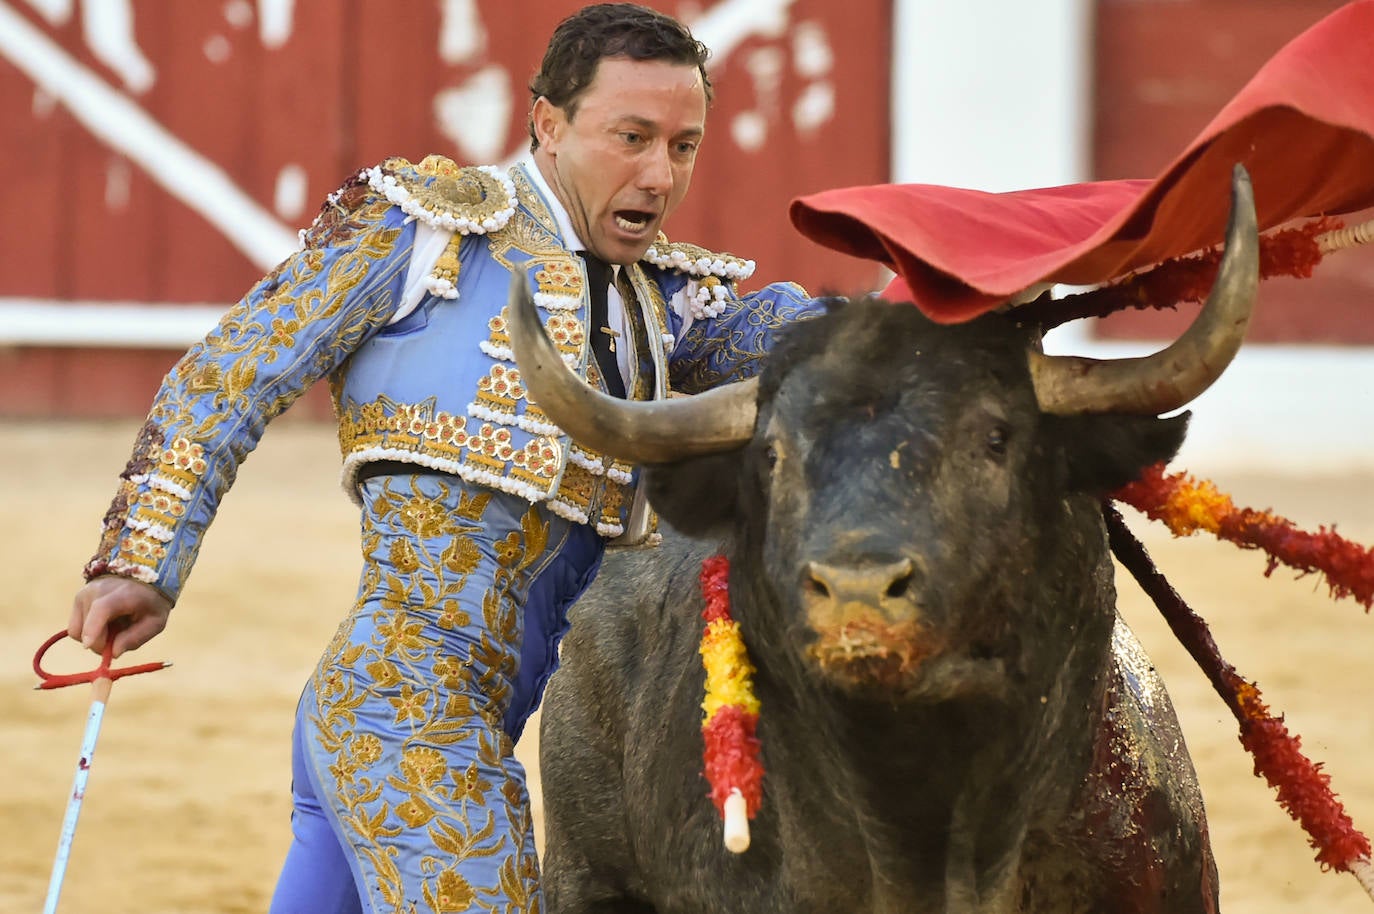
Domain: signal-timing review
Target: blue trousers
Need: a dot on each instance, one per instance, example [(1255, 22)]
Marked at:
[(406, 795)]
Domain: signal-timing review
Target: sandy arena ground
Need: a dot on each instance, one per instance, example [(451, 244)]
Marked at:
[(187, 809)]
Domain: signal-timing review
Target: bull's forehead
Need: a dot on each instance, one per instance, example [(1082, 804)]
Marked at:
[(933, 386), (867, 347), (873, 369)]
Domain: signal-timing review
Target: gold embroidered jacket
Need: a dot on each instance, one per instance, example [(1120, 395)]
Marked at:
[(425, 378)]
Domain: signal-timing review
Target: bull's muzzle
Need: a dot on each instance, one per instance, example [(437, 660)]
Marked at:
[(883, 586), (868, 633)]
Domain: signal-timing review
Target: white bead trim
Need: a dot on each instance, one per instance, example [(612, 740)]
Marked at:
[(441, 287), (506, 354), (131, 570), (610, 531), (591, 466), (150, 529), (551, 302), (522, 421), (733, 268), (164, 484), (707, 298), (568, 512), (400, 195), (355, 461)]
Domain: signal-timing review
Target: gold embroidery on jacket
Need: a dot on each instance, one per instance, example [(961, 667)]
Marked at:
[(418, 428), (576, 490), (472, 196), (484, 449), (498, 391), (529, 197), (434, 695), (230, 375), (744, 355)]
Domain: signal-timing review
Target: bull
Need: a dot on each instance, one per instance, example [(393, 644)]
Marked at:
[(954, 717)]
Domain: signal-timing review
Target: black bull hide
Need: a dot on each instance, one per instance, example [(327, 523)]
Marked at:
[(954, 718)]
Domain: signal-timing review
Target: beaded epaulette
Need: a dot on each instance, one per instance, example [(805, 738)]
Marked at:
[(710, 272), (467, 200)]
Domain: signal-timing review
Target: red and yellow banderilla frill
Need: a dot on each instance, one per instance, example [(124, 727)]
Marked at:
[(728, 730), (1186, 505)]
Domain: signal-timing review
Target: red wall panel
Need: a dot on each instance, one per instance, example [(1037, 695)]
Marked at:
[(353, 83)]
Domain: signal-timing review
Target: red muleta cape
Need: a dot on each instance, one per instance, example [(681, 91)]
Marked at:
[(1303, 127)]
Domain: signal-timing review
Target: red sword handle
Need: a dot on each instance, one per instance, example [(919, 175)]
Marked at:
[(59, 680)]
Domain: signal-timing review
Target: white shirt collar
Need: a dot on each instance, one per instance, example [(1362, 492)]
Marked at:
[(560, 213), (614, 304)]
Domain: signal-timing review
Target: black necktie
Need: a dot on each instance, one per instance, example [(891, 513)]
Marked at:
[(603, 347)]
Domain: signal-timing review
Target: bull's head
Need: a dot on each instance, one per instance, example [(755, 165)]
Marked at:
[(916, 502)]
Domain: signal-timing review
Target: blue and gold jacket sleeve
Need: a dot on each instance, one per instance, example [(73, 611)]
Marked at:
[(723, 336), (291, 329)]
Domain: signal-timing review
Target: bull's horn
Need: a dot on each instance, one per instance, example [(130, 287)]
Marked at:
[(1174, 376), (658, 431)]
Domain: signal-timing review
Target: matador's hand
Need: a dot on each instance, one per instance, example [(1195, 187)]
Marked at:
[(109, 599)]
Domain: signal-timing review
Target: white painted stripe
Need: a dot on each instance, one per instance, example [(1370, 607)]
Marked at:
[(37, 322)]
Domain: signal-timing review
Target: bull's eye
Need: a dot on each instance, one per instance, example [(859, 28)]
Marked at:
[(998, 436), (770, 456)]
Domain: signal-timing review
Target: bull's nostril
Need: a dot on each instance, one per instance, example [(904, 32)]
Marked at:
[(869, 584), (813, 581)]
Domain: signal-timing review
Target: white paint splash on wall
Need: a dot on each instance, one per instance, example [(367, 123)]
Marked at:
[(289, 194), (44, 103), (275, 21), (749, 130), (118, 177), (812, 55), (217, 49), (814, 107), (462, 37), (730, 23), (765, 66), (108, 27), (475, 116), (238, 13)]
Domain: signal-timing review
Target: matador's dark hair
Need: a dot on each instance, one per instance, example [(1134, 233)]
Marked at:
[(583, 39)]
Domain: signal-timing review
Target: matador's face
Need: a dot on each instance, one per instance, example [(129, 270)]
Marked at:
[(622, 156)]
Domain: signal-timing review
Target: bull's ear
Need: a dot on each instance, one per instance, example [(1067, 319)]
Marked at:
[(698, 496), (1104, 452)]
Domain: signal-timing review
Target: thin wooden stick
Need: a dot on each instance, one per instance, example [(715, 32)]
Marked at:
[(100, 692)]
